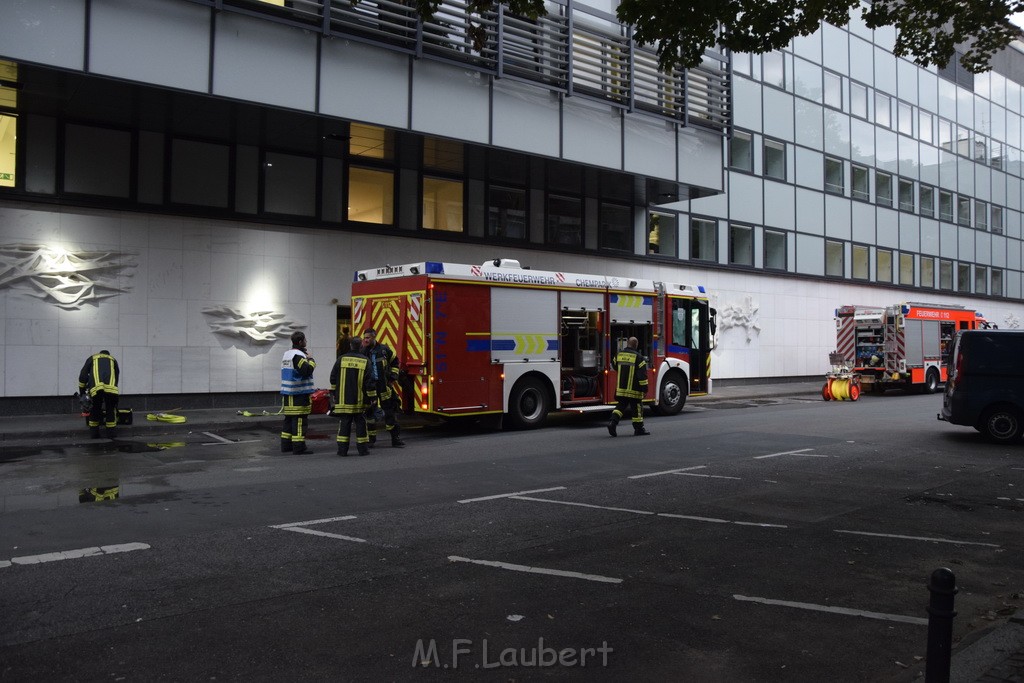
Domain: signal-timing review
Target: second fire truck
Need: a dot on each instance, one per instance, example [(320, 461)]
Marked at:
[(502, 340), (901, 346)]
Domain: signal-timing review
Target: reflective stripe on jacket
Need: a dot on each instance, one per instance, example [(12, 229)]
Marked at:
[(296, 373), (632, 369), (352, 384), (100, 373)]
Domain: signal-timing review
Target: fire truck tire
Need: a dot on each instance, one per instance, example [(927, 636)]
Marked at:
[(528, 404), (672, 396), (1002, 424), (931, 381)]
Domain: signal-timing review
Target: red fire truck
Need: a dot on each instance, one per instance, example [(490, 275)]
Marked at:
[(499, 339), (904, 345)]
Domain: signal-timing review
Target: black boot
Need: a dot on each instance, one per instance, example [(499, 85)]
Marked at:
[(362, 449), (343, 450), (396, 438), (373, 440), (640, 431), (286, 445), (611, 427), (94, 432), (300, 448), (111, 432)]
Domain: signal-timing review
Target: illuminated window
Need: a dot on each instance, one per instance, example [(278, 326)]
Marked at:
[(442, 204), (370, 142), (371, 196)]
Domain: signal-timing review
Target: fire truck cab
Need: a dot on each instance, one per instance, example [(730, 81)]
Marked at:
[(503, 340), (901, 346)]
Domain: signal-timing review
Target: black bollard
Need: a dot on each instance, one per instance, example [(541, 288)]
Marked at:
[(942, 586)]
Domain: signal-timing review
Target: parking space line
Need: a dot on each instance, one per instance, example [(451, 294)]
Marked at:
[(708, 476), (796, 452), (219, 438), (314, 532), (916, 538), (918, 621), (1018, 500), (227, 442), (536, 570), (582, 505), (721, 521), (74, 554), (509, 495), (658, 474), (313, 521)]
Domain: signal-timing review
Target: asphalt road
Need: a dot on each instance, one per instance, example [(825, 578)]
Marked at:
[(775, 540)]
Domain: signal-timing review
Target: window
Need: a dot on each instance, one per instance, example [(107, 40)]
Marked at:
[(506, 213), (996, 285), (995, 153), (442, 204), (199, 173), (703, 240), (833, 258), (96, 160), (997, 220), (980, 215), (565, 221), (945, 206), (741, 151), (834, 176), (963, 277), (773, 69), (981, 280), (907, 269), (741, 245), (741, 63), (963, 210), (926, 200), (371, 142), (946, 135), (905, 118), (289, 183), (883, 115), (8, 130), (981, 149), (963, 141), (371, 196), (860, 262), (833, 90), (858, 100), (661, 234), (443, 155), (883, 265), (775, 159), (774, 250), (616, 224), (927, 271), (859, 182), (924, 126), (906, 190), (883, 188), (945, 274)]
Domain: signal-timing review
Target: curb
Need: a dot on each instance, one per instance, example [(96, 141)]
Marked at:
[(987, 658)]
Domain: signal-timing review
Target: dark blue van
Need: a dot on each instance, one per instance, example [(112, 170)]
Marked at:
[(985, 389)]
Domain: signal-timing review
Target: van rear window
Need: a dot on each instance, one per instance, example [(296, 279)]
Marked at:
[(996, 353)]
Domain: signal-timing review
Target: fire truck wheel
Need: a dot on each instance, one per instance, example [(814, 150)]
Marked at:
[(672, 397), (931, 381), (528, 404), (1002, 424)]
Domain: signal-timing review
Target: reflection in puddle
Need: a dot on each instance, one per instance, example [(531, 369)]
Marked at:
[(98, 493), (165, 446)]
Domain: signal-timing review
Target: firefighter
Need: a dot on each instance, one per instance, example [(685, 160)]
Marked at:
[(384, 371), (296, 387), (631, 389), (354, 392), (98, 379)]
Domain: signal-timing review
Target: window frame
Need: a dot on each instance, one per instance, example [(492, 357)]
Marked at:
[(883, 179), (831, 189)]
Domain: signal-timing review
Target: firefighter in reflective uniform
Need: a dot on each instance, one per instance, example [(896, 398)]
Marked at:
[(354, 392), (296, 386), (631, 389), (98, 379), (384, 370)]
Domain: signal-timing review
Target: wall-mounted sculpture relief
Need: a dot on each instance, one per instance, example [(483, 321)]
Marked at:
[(260, 327), (1011, 321), (740, 315), (64, 278)]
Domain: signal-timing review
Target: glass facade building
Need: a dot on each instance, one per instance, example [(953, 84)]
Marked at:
[(182, 179)]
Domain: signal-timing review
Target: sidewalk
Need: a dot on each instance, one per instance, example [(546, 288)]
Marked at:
[(994, 656)]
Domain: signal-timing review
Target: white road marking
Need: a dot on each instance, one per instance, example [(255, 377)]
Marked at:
[(536, 570), (721, 521), (916, 538), (251, 469), (313, 521), (797, 452), (1013, 499), (582, 505), (219, 438), (227, 442), (709, 476), (75, 554), (920, 621), (314, 532), (658, 474), (508, 495)]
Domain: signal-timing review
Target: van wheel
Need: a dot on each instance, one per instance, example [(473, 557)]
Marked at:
[(931, 381), (672, 397), (527, 405), (1002, 424)]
